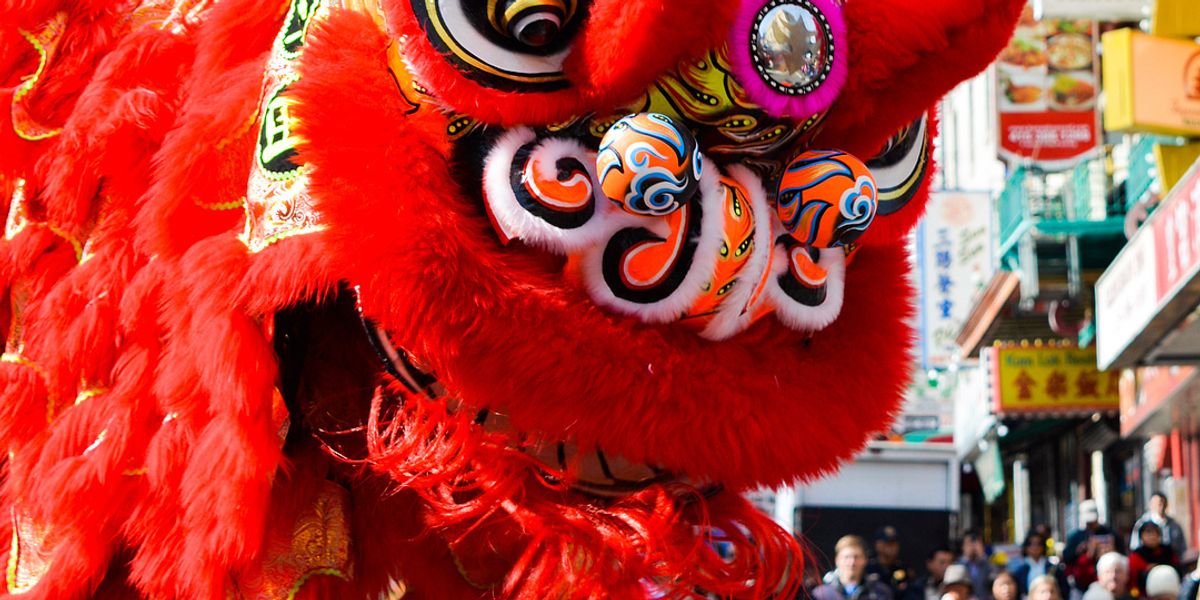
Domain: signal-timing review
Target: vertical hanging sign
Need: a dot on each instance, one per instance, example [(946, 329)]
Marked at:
[(1047, 88)]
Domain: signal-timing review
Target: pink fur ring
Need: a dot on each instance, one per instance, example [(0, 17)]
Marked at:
[(786, 98)]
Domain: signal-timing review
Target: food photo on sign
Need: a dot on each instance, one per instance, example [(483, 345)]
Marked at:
[(1047, 89)]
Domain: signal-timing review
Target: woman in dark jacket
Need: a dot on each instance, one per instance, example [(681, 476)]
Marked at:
[(1034, 563), (1150, 553)]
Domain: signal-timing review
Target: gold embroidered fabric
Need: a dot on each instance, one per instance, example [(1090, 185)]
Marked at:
[(29, 556), (319, 544)]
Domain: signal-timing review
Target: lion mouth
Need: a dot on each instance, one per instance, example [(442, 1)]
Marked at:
[(656, 230), (590, 471)]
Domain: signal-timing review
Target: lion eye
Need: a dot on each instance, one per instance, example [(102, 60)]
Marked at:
[(510, 45), (533, 23)]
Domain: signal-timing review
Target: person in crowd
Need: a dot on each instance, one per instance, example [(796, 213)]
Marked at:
[(1086, 545), (1162, 583), (1151, 551), (957, 583), (886, 564), (1034, 563), (1172, 532), (929, 587), (1043, 530), (1044, 587), (1112, 578), (850, 581), (974, 557), (1190, 585), (1004, 587)]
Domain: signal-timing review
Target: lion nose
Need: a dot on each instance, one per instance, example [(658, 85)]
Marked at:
[(649, 164)]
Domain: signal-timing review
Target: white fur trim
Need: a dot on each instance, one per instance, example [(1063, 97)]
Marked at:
[(734, 313), (515, 222), (809, 318), (704, 263)]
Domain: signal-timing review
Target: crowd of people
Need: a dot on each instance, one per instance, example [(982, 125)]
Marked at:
[(1093, 564)]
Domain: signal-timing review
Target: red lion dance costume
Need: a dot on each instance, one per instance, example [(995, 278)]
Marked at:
[(451, 298)]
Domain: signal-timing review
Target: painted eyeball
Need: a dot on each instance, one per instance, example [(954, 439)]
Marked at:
[(790, 55), (827, 199), (534, 23), (649, 164), (509, 45)]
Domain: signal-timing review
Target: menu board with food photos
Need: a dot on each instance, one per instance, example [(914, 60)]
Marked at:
[(1048, 88)]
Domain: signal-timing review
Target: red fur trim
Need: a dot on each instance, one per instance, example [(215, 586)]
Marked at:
[(205, 160), (512, 530)]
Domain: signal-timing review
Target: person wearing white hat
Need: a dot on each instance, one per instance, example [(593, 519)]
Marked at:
[(1085, 546), (1162, 583), (957, 583)]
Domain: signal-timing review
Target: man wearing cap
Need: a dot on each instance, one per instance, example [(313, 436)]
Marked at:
[(1085, 545), (886, 564)]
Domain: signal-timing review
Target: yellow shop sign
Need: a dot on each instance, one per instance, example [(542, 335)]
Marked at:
[(1151, 84), (1049, 379)]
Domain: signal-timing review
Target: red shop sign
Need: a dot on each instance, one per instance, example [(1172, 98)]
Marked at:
[(1177, 235)]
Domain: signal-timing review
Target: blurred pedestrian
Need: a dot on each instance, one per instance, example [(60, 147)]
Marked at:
[(1034, 563), (1190, 585), (1150, 553), (957, 584), (1004, 587), (1162, 583), (1086, 545), (849, 581), (886, 564), (975, 559), (1112, 577), (1044, 587), (929, 587), (1172, 532)]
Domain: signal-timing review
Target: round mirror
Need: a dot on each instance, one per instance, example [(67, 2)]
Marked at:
[(792, 46)]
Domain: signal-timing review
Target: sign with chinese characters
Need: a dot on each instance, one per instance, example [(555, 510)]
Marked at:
[(1160, 260), (954, 262), (1151, 84), (1056, 379), (1047, 88)]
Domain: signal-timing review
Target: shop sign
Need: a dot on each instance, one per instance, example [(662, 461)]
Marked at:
[(1161, 257), (1047, 87), (1032, 379), (1148, 391), (954, 263), (1176, 18), (1107, 10), (1177, 235), (1151, 84)]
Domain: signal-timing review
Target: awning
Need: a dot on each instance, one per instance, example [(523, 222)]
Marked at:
[(1146, 301), (1159, 400)]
